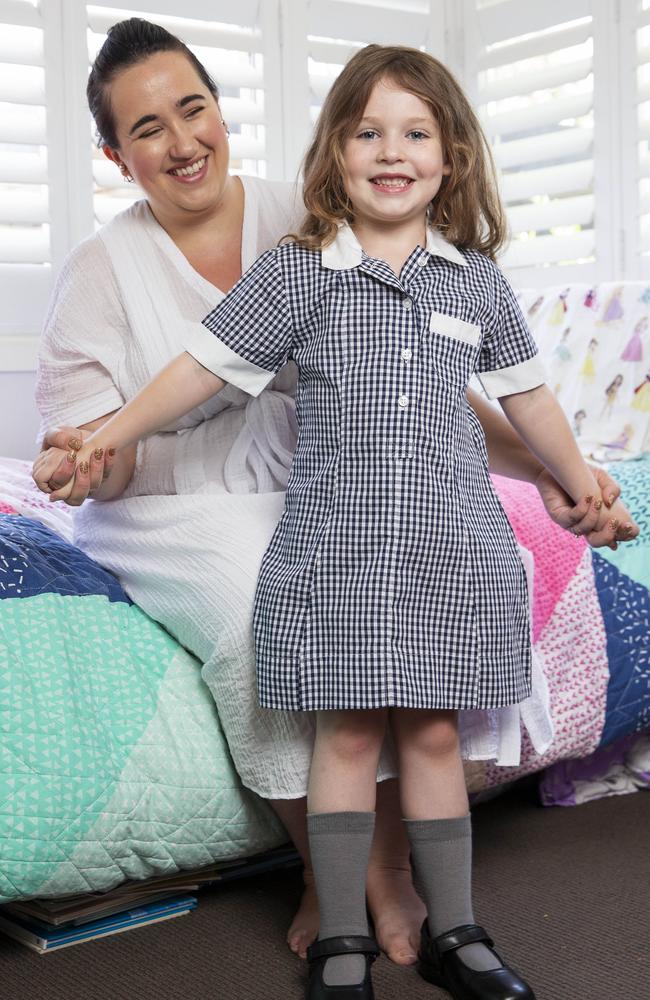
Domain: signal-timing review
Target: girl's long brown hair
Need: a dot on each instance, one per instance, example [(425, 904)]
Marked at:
[(467, 209)]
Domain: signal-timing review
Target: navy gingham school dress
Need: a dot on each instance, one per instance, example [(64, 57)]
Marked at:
[(393, 577)]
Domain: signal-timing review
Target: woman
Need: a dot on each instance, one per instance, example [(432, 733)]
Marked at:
[(187, 557)]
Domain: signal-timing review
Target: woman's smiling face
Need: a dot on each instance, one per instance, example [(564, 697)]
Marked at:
[(171, 137), (394, 162)]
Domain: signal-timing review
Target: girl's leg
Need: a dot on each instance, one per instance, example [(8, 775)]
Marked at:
[(341, 803), (436, 811), (396, 909)]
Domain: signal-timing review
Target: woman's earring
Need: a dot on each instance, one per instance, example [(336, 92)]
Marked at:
[(125, 174), (226, 128)]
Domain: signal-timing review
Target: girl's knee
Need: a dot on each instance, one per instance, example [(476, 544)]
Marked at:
[(430, 734), (352, 735)]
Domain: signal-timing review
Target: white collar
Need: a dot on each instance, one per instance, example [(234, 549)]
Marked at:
[(346, 251)]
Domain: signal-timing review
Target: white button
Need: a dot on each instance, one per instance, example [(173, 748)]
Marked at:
[(403, 402), (406, 354), (407, 302), (422, 261)]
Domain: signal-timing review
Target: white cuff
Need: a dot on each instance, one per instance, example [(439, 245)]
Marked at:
[(518, 378), (214, 355)]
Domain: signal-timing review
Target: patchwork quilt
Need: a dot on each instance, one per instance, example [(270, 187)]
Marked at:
[(112, 760)]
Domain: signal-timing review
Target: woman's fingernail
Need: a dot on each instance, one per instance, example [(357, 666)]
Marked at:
[(83, 467), (98, 453), (111, 452), (589, 499), (614, 523), (75, 443), (71, 457), (598, 504), (628, 529)]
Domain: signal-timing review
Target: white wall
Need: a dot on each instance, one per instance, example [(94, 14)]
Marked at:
[(19, 418)]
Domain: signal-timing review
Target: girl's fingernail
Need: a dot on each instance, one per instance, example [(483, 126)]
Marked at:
[(111, 452), (598, 504), (71, 457), (98, 453), (83, 467), (628, 529), (75, 443), (610, 499), (589, 499), (614, 523)]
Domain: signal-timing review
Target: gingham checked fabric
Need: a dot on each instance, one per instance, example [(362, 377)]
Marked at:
[(393, 577)]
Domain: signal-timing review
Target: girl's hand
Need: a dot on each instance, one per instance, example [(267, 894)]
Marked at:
[(60, 472), (603, 521)]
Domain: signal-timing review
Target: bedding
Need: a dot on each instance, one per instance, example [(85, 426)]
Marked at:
[(114, 764)]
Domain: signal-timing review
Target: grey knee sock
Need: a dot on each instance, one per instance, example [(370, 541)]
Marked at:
[(339, 844), (442, 857)]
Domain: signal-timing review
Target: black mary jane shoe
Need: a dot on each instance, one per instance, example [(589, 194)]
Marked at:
[(320, 951), (441, 964)]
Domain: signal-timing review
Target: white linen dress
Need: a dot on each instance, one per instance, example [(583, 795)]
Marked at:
[(187, 537)]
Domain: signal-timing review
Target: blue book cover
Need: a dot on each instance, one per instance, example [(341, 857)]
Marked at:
[(47, 939)]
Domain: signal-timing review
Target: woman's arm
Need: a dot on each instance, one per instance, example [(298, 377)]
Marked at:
[(182, 385)]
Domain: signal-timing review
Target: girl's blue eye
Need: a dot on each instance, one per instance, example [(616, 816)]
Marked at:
[(417, 134), (368, 133)]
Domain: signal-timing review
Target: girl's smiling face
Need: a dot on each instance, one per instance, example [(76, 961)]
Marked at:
[(393, 161), (171, 137)]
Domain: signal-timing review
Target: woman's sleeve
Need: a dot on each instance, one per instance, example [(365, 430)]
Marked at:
[(248, 337), (81, 343), (509, 361)]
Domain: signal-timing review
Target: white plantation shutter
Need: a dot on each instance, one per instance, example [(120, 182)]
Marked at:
[(637, 204), (535, 96), (338, 28), (233, 54)]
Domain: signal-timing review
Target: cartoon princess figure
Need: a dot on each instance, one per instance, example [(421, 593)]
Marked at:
[(588, 370), (613, 309), (559, 309), (634, 348), (562, 351), (590, 299), (578, 418), (645, 298), (611, 392), (535, 306), (623, 439), (641, 399)]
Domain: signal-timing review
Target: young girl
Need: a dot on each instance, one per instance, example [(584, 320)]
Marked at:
[(392, 594)]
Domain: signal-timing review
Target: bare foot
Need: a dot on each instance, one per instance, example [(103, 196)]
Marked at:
[(397, 912), (304, 926)]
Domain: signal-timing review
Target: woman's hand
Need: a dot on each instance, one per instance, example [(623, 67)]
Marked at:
[(587, 517), (56, 471)]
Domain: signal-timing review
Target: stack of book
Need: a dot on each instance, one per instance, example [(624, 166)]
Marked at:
[(47, 925)]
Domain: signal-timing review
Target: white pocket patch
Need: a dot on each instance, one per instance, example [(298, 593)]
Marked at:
[(458, 329)]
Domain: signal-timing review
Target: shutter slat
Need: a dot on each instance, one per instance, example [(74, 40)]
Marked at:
[(541, 249), (23, 14), (199, 33), (26, 168), (20, 45), (512, 18), (547, 78), (561, 145), (530, 48), (24, 246), (540, 115), (22, 84), (566, 178), (18, 206), (24, 125), (358, 22), (550, 214)]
